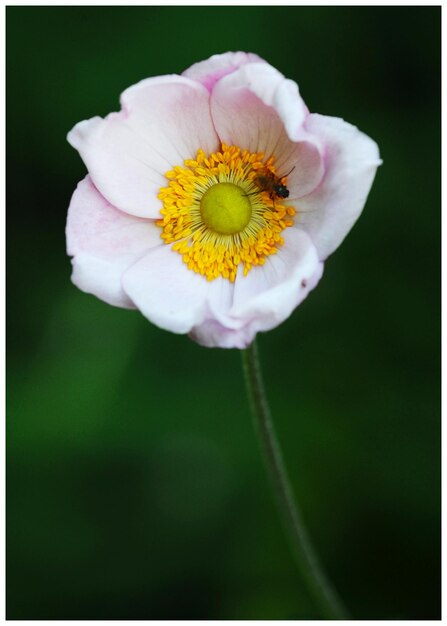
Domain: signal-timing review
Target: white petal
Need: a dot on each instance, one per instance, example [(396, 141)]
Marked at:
[(104, 243), (269, 293), (266, 296), (174, 297), (219, 65), (258, 109), (212, 334), (163, 121), (352, 158), (217, 313)]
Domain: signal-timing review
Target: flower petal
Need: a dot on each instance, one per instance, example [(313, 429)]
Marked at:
[(258, 109), (269, 293), (104, 243), (352, 158), (212, 334), (163, 121), (266, 296), (174, 297), (219, 65)]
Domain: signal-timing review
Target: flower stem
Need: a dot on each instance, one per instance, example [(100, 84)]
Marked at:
[(317, 582)]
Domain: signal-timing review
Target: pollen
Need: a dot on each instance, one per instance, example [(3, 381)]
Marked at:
[(218, 216)]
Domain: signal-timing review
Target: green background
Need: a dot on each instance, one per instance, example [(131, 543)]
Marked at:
[(134, 480)]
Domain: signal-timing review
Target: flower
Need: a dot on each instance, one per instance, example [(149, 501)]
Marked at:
[(213, 199)]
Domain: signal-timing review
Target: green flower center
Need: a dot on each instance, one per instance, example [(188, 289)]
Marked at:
[(225, 208)]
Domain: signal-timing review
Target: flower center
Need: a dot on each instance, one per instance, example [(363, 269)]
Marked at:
[(225, 208), (224, 211)]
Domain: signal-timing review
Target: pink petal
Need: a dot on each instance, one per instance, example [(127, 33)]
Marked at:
[(266, 296), (163, 121), (212, 334), (104, 243), (217, 313), (269, 293), (258, 109), (174, 297), (352, 158), (219, 65)]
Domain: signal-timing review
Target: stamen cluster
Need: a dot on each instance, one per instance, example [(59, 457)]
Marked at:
[(204, 250)]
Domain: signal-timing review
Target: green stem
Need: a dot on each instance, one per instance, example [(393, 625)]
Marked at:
[(317, 582)]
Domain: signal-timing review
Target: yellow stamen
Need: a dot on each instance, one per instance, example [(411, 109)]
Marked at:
[(218, 215)]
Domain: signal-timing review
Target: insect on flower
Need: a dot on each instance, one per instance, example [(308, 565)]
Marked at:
[(266, 180)]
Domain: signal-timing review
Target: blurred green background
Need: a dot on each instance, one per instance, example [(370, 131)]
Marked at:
[(134, 480)]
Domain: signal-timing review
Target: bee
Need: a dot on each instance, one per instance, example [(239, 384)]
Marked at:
[(273, 184)]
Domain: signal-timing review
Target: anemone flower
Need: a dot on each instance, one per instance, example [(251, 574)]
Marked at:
[(211, 203), (213, 199)]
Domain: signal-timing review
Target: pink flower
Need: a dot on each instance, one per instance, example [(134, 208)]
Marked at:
[(213, 198)]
